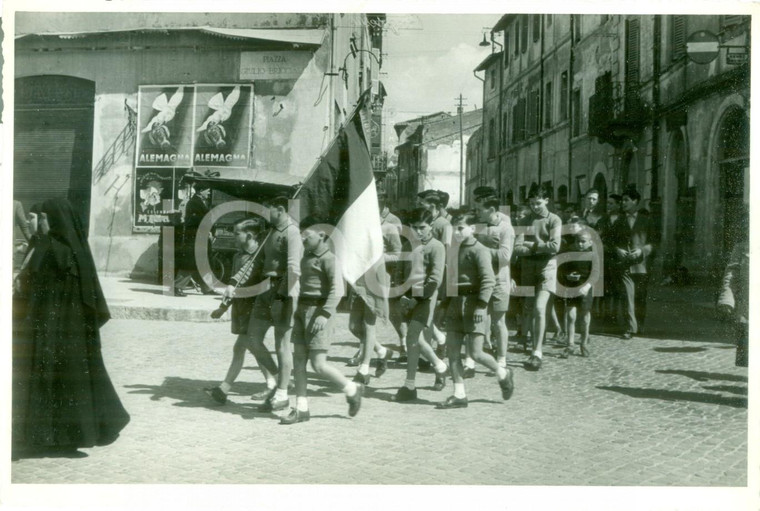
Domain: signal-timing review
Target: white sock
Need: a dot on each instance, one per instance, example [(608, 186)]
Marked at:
[(225, 387), (350, 389), (410, 384), (469, 363), (280, 394), (382, 351), (501, 373), (459, 391), (271, 382), (440, 366), (502, 361), (364, 369), (537, 353), (302, 404)]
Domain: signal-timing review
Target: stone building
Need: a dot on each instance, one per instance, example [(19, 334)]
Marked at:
[(575, 102), (429, 155), (112, 108)]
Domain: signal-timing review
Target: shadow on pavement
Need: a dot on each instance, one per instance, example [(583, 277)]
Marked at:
[(674, 395), (702, 375), (189, 394), (684, 349), (734, 389)]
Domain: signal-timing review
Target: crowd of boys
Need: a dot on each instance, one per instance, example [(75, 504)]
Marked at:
[(452, 276)]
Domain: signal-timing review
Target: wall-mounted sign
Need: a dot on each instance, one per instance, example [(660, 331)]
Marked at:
[(157, 197), (702, 47), (273, 65), (223, 116), (165, 120)]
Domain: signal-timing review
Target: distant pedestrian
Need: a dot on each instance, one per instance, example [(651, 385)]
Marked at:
[(466, 318), (246, 270), (63, 398), (612, 265), (537, 249), (592, 211), (314, 317), (187, 266), (733, 301)]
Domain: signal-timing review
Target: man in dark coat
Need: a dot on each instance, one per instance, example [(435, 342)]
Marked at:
[(632, 244), (187, 266)]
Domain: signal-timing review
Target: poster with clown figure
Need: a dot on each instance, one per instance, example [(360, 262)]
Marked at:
[(165, 126), (223, 116)]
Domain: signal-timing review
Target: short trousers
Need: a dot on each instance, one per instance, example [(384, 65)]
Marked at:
[(424, 311), (459, 316), (541, 274), (304, 318), (499, 298), (278, 313), (582, 301)]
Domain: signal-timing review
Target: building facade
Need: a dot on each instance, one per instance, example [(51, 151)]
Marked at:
[(112, 108), (608, 101), (429, 155)]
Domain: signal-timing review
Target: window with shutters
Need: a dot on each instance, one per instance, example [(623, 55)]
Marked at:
[(491, 139), (548, 105), (732, 25), (563, 96), (506, 49), (532, 113), (504, 127), (576, 110), (632, 50), (576, 27), (517, 37), (524, 33), (536, 27), (678, 36)]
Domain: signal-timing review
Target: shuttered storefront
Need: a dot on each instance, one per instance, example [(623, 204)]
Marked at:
[(53, 141)]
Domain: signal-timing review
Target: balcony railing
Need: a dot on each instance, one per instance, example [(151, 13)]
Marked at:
[(617, 112)]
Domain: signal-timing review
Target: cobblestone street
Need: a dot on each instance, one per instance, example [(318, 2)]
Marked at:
[(652, 411)]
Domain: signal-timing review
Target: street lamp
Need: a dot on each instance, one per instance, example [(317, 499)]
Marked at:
[(484, 42)]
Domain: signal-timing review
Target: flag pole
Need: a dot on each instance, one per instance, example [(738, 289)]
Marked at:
[(349, 118)]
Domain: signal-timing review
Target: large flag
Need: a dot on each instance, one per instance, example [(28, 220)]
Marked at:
[(341, 191)]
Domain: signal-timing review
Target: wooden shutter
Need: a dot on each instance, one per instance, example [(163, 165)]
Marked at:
[(632, 51), (678, 39), (524, 33), (506, 49), (536, 27)]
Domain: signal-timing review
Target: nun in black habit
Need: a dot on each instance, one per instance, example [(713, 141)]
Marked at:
[(63, 398)]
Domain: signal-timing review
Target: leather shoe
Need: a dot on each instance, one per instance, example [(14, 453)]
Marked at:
[(405, 394), (507, 385), (179, 292), (382, 363), (355, 401), (270, 405), (265, 395), (533, 363), (361, 378), (353, 361), (217, 394), (295, 416), (440, 381), (452, 402), (469, 372)]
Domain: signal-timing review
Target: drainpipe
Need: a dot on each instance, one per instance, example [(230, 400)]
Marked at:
[(481, 167), (541, 100), (656, 55), (570, 111)]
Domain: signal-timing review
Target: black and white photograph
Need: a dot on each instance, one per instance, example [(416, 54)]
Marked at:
[(379, 258)]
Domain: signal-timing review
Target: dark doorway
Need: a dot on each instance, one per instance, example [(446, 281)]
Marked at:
[(53, 141), (686, 204), (733, 166)]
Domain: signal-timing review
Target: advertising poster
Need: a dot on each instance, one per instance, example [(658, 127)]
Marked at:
[(165, 121), (222, 125), (153, 187)]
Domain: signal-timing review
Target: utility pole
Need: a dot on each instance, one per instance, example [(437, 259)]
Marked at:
[(461, 150)]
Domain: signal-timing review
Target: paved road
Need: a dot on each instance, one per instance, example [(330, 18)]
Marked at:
[(651, 411)]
